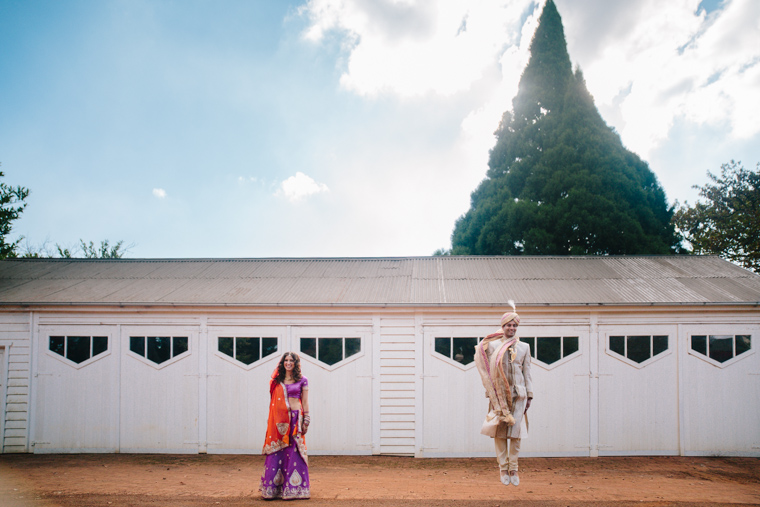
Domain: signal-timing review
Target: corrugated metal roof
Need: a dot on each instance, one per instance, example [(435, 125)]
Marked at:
[(451, 281)]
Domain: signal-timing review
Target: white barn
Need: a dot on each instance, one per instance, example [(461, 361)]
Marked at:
[(631, 355)]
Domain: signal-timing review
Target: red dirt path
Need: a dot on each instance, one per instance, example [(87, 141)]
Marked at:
[(232, 480)]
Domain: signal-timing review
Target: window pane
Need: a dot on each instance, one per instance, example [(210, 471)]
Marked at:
[(137, 345), (569, 345), (57, 344), (464, 350), (268, 346), (247, 350), (99, 345), (532, 344), (639, 348), (443, 346), (721, 348), (743, 343), (309, 347), (225, 345), (330, 350), (548, 349), (699, 344), (180, 345), (159, 349), (77, 348), (617, 345), (353, 346), (659, 344)]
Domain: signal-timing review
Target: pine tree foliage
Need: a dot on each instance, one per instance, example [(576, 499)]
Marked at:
[(11, 206), (560, 181)]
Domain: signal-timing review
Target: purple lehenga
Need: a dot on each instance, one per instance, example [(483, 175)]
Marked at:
[(286, 468), (286, 473)]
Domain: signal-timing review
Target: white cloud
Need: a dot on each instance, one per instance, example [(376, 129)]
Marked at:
[(412, 48), (648, 63), (299, 186), (159, 192), (672, 64)]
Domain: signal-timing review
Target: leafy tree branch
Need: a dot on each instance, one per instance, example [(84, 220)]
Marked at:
[(727, 223)]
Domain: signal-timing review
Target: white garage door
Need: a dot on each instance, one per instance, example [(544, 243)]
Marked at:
[(76, 397), (559, 415), (159, 389), (455, 403), (241, 362), (338, 363), (452, 393), (721, 391), (638, 390)]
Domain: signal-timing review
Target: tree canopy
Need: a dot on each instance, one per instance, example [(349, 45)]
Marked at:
[(728, 222), (560, 181), (11, 206), (87, 250)]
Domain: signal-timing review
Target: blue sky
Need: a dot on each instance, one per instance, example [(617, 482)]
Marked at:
[(274, 128)]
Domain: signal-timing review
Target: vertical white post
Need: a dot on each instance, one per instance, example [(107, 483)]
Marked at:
[(593, 356), (419, 378), (376, 382), (203, 346), (681, 344), (31, 412)]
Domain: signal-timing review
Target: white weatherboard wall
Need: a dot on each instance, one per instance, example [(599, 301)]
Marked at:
[(3, 382), (398, 401), (15, 379), (397, 396)]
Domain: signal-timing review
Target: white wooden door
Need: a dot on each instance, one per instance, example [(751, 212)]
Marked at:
[(638, 390), (76, 397), (721, 390), (559, 415), (453, 398), (159, 389), (337, 361), (455, 403), (241, 360)]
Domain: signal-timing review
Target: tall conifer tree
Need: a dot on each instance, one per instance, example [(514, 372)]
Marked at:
[(560, 181)]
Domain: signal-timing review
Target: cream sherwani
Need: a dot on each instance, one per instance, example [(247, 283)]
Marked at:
[(517, 372), (520, 382)]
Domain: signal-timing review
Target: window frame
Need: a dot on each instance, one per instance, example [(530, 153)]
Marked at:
[(726, 331), (363, 333), (432, 331), (75, 332), (216, 332), (642, 331), (129, 331), (234, 355), (172, 341), (451, 334), (562, 360)]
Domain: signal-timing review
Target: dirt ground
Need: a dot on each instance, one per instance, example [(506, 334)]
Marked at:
[(140, 480)]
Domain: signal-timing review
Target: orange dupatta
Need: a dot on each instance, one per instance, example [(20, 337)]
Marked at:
[(278, 424)]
